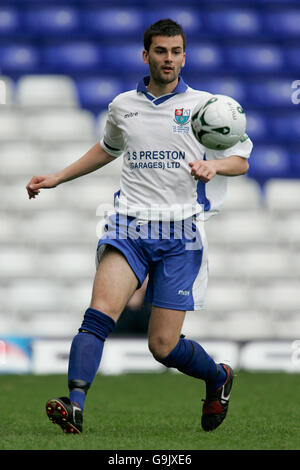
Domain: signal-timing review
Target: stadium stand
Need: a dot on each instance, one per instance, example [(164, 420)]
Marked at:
[(61, 63)]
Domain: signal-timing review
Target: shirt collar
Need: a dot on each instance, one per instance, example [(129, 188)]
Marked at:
[(144, 82)]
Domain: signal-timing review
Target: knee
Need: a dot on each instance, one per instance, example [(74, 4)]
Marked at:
[(161, 345)]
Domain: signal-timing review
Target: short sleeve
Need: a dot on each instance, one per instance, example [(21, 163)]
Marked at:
[(242, 149), (112, 141)]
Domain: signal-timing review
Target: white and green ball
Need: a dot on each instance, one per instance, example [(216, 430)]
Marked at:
[(218, 123)]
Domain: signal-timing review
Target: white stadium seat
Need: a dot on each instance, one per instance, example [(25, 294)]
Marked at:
[(240, 227), (54, 226), (68, 262), (283, 195), (46, 91), (287, 227), (242, 194), (11, 125), (33, 295), (60, 125), (7, 91), (278, 296), (18, 261), (225, 296), (262, 263), (20, 158)]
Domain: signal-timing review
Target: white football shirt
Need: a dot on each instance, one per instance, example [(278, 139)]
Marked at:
[(154, 137)]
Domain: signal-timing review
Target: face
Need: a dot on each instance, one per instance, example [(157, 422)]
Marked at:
[(165, 58)]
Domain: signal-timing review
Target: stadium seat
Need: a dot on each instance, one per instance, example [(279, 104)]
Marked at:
[(283, 195), (191, 19), (237, 228), (54, 226), (7, 91), (10, 22), (242, 194), (227, 296), (46, 91), (56, 20), (286, 326), (292, 58), (61, 125), (33, 295), (115, 22), (283, 23), (19, 158), (224, 86), (269, 161), (287, 227), (258, 126), (254, 58), (125, 57), (9, 227), (18, 261), (249, 325), (68, 263), (204, 57), (278, 296), (271, 93), (234, 22), (73, 56), (59, 155), (98, 92), (11, 125), (286, 127), (260, 264), (79, 296), (19, 58)]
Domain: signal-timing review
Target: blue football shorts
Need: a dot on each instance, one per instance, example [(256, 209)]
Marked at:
[(173, 255)]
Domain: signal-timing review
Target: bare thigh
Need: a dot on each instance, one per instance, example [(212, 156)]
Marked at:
[(164, 330), (114, 283)]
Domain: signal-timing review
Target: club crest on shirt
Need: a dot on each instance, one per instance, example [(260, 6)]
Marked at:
[(182, 116), (182, 119)]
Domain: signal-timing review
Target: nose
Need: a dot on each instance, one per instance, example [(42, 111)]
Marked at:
[(168, 57)]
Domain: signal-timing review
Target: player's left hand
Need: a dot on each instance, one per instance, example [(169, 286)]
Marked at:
[(203, 170)]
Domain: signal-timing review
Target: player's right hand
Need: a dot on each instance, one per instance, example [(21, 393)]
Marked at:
[(38, 182)]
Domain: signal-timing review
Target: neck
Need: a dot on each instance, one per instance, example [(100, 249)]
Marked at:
[(159, 89)]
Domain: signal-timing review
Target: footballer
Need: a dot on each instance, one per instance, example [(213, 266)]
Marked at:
[(169, 184)]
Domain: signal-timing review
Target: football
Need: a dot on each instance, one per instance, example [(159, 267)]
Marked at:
[(218, 123)]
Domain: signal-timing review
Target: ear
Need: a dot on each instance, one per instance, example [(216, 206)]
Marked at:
[(183, 60), (145, 56)]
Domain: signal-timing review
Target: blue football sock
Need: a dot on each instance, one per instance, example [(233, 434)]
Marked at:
[(189, 357), (86, 352)]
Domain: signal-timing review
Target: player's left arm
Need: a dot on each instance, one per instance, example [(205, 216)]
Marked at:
[(205, 170)]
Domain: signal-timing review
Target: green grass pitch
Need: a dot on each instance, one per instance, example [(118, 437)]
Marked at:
[(153, 412)]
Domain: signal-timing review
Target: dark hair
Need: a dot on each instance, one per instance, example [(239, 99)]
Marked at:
[(165, 27)]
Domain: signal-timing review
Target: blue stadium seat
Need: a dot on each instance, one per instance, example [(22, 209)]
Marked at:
[(73, 56), (19, 58), (269, 161), (9, 21), (258, 127), (234, 22), (125, 58), (255, 58), (286, 127), (270, 93), (283, 23), (292, 55), (224, 86), (189, 18), (295, 161), (114, 22), (54, 20), (204, 57), (98, 92)]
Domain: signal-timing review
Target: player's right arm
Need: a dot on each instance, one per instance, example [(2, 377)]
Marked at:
[(91, 161)]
